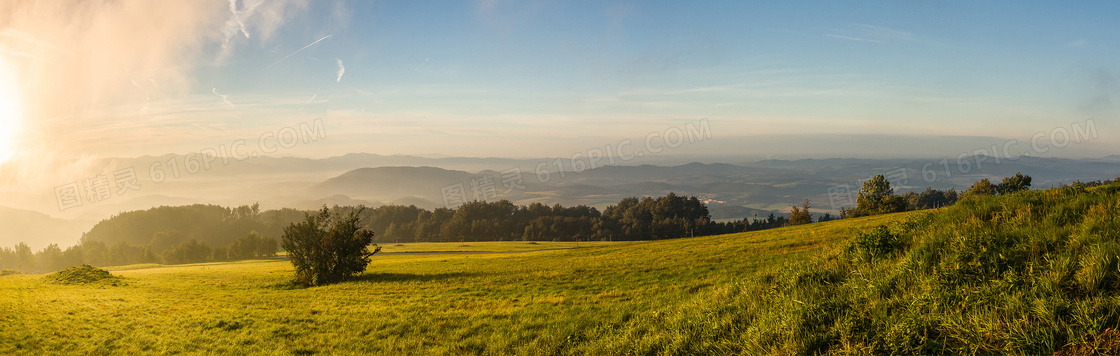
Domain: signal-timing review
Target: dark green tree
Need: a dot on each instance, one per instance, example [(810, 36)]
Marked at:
[(327, 248), (1012, 184), (799, 216), (981, 187), (876, 197)]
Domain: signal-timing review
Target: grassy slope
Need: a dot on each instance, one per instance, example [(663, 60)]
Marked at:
[(1033, 273), (615, 298)]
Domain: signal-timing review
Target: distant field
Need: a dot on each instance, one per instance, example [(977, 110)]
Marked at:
[(615, 298), (496, 246)]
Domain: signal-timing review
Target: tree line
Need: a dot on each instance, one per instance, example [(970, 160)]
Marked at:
[(200, 233), (877, 197), (97, 253)]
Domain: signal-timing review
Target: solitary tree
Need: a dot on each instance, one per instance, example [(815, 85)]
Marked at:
[(327, 248)]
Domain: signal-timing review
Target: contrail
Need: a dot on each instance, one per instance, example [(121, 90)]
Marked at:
[(341, 70), (225, 98), (297, 51), (313, 96), (237, 17)]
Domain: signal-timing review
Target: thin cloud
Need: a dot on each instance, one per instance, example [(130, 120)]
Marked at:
[(297, 51), (341, 70), (147, 96), (5, 50), (256, 19), (236, 17), (870, 33), (27, 38), (884, 33), (224, 97), (850, 38), (314, 96)]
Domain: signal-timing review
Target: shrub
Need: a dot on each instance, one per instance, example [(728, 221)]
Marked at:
[(328, 248), (878, 242)]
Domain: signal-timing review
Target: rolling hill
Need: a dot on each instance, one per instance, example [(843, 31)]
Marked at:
[(389, 183), (37, 229), (1031, 273)]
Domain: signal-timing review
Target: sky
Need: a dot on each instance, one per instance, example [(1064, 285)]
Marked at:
[(504, 78)]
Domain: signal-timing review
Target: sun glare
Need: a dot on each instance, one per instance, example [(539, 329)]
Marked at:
[(10, 112)]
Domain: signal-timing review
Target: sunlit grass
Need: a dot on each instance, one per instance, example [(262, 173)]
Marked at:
[(602, 298), (1033, 273), (487, 246)]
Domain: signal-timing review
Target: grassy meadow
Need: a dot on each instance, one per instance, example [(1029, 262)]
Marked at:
[(612, 298), (1032, 273)]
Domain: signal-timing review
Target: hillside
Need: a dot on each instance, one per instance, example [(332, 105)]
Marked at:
[(1031, 273), (389, 183), (37, 229)]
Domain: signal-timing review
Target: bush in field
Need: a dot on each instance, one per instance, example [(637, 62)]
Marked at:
[(328, 248), (877, 243)]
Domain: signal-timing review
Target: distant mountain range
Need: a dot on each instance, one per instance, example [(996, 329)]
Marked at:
[(38, 230), (388, 183)]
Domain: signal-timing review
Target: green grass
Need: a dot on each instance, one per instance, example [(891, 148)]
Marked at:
[(1033, 273), (490, 246), (611, 298)]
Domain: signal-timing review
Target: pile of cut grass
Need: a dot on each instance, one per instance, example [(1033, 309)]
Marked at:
[(83, 274)]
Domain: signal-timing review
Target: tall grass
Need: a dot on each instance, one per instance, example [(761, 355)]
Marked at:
[(1031, 273)]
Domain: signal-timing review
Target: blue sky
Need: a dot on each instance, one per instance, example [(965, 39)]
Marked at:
[(544, 78)]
